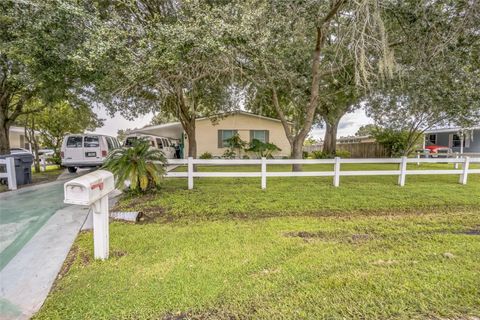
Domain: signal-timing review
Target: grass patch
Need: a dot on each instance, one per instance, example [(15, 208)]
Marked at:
[(301, 249), (410, 266), (215, 198)]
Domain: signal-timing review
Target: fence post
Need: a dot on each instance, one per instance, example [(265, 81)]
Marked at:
[(456, 163), (43, 163), (12, 178), (403, 171), (264, 173), (418, 157), (190, 173), (336, 172), (464, 175)]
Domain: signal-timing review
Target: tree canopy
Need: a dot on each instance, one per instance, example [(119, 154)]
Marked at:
[(39, 46)]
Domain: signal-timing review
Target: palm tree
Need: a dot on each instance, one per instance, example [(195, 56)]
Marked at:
[(138, 164)]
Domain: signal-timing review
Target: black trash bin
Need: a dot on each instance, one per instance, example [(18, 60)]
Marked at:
[(23, 166)]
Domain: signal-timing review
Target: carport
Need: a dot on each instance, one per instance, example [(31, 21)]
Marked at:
[(172, 130)]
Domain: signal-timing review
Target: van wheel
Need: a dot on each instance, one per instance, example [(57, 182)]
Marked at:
[(72, 169)]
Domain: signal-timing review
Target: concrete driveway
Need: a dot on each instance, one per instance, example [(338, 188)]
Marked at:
[(36, 233)]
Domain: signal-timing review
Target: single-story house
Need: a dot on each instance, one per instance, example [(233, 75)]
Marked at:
[(17, 138), (462, 140), (211, 132)]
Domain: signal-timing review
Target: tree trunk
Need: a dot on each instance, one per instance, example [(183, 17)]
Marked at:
[(192, 146), (297, 153), (330, 140), (4, 138), (192, 141)]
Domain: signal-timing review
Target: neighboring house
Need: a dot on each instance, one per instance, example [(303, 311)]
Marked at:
[(462, 140), (17, 138), (211, 132)]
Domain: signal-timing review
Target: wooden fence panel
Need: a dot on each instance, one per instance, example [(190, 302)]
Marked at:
[(364, 149)]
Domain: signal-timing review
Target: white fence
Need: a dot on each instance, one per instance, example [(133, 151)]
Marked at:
[(10, 172), (402, 172)]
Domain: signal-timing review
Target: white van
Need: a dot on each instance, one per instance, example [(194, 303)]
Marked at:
[(86, 150), (166, 145)]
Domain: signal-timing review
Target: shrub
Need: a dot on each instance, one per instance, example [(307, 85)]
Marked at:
[(262, 149), (321, 155), (206, 155), (305, 155), (229, 154), (236, 143), (343, 154), (136, 164), (246, 157)]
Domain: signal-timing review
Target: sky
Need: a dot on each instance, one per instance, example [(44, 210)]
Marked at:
[(347, 127)]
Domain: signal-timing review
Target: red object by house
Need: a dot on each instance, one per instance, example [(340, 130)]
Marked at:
[(434, 148)]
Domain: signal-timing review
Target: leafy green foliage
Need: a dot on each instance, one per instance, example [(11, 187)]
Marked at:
[(262, 149), (396, 142), (136, 164), (206, 155), (171, 59), (343, 153), (229, 154), (321, 155), (438, 78), (236, 142), (40, 44), (365, 130)]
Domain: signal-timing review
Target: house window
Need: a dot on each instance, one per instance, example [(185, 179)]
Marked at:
[(224, 135), (432, 139), (456, 141), (261, 135)]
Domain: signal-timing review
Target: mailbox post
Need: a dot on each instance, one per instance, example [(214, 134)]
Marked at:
[(92, 190)]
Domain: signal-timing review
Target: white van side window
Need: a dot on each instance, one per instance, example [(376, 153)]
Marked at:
[(74, 142), (110, 143), (91, 142), (166, 143), (160, 143)]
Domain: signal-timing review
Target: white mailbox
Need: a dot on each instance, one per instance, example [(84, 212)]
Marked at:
[(89, 188), (92, 190)]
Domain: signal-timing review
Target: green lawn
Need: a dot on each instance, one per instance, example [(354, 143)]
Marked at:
[(223, 197), (301, 249)]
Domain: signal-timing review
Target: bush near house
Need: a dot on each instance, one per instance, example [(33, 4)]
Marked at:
[(206, 155)]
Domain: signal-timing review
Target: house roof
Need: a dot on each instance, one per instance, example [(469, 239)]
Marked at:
[(452, 129), (240, 112), (171, 130), (175, 130)]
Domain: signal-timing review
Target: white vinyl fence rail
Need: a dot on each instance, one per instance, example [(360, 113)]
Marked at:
[(10, 172), (402, 172)]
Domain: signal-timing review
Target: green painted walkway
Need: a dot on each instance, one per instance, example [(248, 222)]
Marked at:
[(23, 213)]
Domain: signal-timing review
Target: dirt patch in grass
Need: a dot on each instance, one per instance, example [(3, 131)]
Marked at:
[(211, 314), (118, 253), (326, 236), (471, 232)]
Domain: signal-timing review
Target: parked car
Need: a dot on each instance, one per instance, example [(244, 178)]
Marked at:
[(47, 153), (86, 150), (19, 150), (166, 145)]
